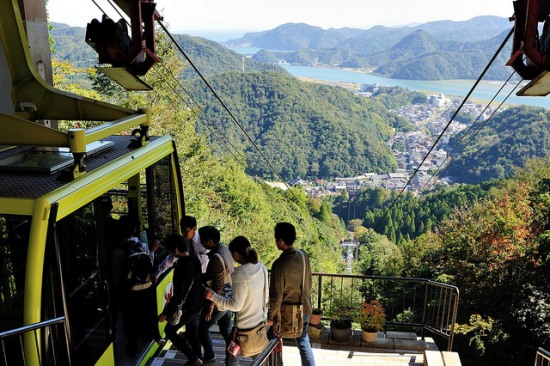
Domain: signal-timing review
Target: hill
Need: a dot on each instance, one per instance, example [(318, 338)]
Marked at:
[(431, 51), (209, 56), (305, 129), (512, 137), (330, 132), (295, 36), (70, 45), (415, 56), (212, 58)]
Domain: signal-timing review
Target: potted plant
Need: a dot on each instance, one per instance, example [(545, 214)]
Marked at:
[(316, 328), (372, 318), (315, 317), (342, 314)]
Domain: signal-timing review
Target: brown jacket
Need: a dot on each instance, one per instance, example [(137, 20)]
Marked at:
[(286, 280)]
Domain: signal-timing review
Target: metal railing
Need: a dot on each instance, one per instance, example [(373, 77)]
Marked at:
[(14, 344), (542, 358), (272, 355), (409, 303)]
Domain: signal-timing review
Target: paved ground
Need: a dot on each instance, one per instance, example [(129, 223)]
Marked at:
[(390, 349)]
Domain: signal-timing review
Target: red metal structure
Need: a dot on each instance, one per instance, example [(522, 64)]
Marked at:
[(528, 14), (114, 45), (531, 50)]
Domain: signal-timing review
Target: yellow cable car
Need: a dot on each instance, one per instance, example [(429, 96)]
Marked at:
[(61, 195)]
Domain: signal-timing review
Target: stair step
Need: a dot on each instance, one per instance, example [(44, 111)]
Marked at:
[(433, 358), (451, 358), (436, 358)]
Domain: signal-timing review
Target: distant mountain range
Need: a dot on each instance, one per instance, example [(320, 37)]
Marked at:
[(439, 50), (431, 51), (328, 131)]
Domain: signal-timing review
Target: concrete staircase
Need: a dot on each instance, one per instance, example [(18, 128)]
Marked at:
[(436, 358), (390, 349)]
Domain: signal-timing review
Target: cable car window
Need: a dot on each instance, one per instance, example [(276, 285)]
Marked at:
[(14, 240), (85, 284)]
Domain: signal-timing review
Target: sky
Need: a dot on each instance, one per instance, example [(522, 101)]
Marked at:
[(196, 17)]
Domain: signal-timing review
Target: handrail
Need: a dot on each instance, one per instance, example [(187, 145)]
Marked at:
[(409, 302), (542, 358), (30, 327), (272, 355), (50, 332)]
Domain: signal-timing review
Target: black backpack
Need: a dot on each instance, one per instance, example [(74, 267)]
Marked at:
[(140, 268)]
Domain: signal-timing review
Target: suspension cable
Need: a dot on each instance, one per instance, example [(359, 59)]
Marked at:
[(450, 155), (220, 140), (242, 160), (446, 127), (197, 104), (224, 106)]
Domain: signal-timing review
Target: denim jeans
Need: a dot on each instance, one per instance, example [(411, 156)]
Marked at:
[(306, 353), (188, 344), (223, 318)]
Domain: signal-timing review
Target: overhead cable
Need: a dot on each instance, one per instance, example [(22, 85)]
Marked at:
[(442, 168), (241, 158), (224, 106), (446, 127)]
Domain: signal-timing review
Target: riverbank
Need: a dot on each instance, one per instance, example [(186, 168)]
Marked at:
[(484, 92)]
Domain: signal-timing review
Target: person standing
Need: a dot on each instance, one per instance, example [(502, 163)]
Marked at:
[(187, 296), (188, 226), (190, 233), (250, 290), (218, 278), (289, 285)]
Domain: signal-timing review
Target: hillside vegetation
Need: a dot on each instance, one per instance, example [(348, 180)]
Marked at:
[(490, 240), (441, 50), (493, 243), (505, 142), (305, 129), (217, 190)]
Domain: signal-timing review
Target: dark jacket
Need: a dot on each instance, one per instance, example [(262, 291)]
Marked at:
[(187, 286)]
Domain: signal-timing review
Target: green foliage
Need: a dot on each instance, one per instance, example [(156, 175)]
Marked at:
[(343, 310), (512, 137), (377, 255), (304, 129), (217, 190), (410, 216), (69, 45), (481, 333), (212, 58), (493, 251), (407, 316)]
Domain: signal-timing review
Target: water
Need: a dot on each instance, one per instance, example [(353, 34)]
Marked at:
[(217, 36), (484, 90)]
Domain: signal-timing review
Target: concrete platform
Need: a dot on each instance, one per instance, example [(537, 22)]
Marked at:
[(391, 349)]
